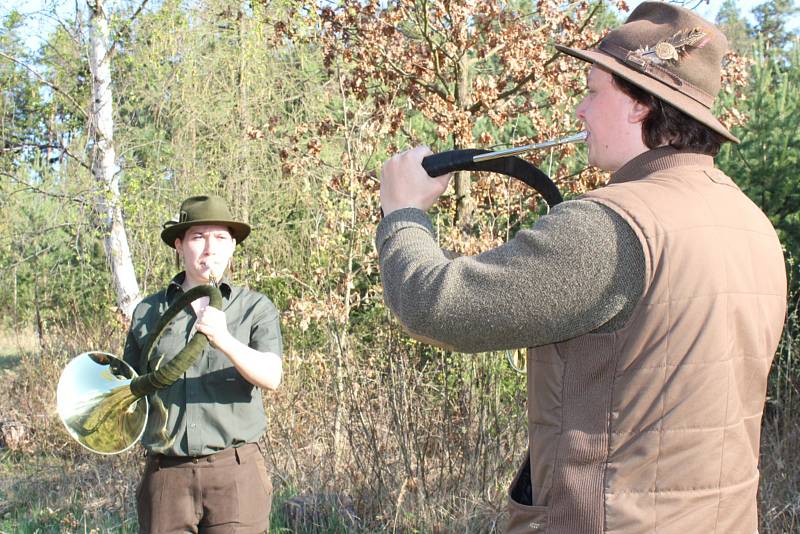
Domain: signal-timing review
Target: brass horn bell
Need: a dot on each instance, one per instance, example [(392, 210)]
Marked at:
[(95, 402), (101, 400)]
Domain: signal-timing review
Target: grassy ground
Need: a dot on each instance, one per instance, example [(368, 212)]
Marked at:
[(68, 490), (50, 484), (43, 493)]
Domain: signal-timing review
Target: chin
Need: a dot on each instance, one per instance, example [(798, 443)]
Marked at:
[(597, 163)]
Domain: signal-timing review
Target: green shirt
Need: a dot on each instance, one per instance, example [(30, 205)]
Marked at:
[(212, 407)]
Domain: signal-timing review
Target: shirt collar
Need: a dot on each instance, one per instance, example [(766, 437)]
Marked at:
[(659, 159), (175, 286)]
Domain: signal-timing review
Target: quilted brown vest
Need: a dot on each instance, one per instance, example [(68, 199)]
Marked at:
[(655, 427)]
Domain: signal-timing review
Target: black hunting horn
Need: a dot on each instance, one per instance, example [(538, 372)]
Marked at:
[(502, 162), (98, 394)]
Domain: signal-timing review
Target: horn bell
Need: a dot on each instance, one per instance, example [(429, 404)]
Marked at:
[(95, 403)]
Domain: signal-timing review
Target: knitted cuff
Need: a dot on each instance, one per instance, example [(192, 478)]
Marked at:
[(404, 218)]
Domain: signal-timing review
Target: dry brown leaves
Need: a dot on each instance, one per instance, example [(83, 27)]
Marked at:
[(458, 62)]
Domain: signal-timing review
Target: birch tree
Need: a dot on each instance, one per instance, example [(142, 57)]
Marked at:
[(103, 155)]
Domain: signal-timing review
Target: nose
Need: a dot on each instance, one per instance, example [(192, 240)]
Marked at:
[(209, 245), (580, 111)]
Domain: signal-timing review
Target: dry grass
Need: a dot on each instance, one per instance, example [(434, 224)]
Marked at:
[(779, 492), (14, 342), (424, 442), (406, 440)]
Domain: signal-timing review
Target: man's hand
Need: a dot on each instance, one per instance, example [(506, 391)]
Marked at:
[(212, 323), (405, 184), (262, 369)]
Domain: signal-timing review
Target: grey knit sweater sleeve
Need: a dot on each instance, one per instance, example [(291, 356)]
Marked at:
[(580, 269)]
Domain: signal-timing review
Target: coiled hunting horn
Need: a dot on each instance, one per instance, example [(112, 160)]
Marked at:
[(507, 163), (102, 401)]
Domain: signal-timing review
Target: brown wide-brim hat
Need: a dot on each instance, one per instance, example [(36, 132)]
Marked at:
[(204, 209), (670, 52)]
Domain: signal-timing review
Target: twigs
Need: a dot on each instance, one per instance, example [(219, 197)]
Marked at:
[(47, 83)]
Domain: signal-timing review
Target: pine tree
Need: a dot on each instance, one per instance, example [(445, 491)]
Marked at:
[(771, 18), (735, 27)]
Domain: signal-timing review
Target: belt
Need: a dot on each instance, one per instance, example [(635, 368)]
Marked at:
[(230, 455)]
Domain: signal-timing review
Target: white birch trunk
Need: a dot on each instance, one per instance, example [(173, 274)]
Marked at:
[(107, 205)]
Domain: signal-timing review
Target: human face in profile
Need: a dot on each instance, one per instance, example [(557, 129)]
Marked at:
[(613, 122)]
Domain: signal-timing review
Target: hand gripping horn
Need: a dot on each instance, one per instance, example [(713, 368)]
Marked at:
[(502, 162), (98, 394)]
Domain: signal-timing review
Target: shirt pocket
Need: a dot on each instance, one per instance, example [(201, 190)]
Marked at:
[(227, 386)]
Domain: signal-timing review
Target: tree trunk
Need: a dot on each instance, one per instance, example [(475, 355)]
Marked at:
[(464, 205), (107, 201)]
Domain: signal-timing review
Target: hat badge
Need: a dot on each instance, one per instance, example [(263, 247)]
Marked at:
[(670, 50)]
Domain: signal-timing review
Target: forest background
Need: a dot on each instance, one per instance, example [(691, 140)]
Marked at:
[(288, 108)]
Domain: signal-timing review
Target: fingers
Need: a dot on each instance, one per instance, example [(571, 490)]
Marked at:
[(405, 183), (210, 317), (213, 323)]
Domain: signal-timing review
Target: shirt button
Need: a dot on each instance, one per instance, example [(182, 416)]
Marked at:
[(192, 425)]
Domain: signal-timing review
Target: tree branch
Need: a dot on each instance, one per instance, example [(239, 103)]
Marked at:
[(126, 29), (428, 87), (432, 44), (32, 256), (17, 147), (520, 84), (78, 198), (49, 84)]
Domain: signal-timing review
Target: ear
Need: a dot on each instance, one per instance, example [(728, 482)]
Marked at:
[(178, 245), (638, 112)]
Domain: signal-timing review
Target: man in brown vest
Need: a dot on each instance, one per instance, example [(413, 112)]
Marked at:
[(653, 305)]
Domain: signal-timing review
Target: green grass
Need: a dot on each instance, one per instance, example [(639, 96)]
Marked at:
[(47, 520), (43, 495), (40, 495), (325, 520), (9, 361)]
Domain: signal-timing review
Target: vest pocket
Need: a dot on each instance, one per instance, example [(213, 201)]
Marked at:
[(522, 517)]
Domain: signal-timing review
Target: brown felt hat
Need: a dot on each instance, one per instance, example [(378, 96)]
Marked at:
[(204, 209), (670, 52)]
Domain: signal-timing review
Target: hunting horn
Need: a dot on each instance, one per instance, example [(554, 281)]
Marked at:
[(502, 162), (98, 396)]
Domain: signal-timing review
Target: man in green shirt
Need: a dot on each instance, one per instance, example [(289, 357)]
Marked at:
[(204, 470)]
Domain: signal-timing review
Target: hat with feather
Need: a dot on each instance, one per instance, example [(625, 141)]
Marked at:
[(670, 52)]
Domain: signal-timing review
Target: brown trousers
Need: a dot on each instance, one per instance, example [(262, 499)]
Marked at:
[(224, 493)]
